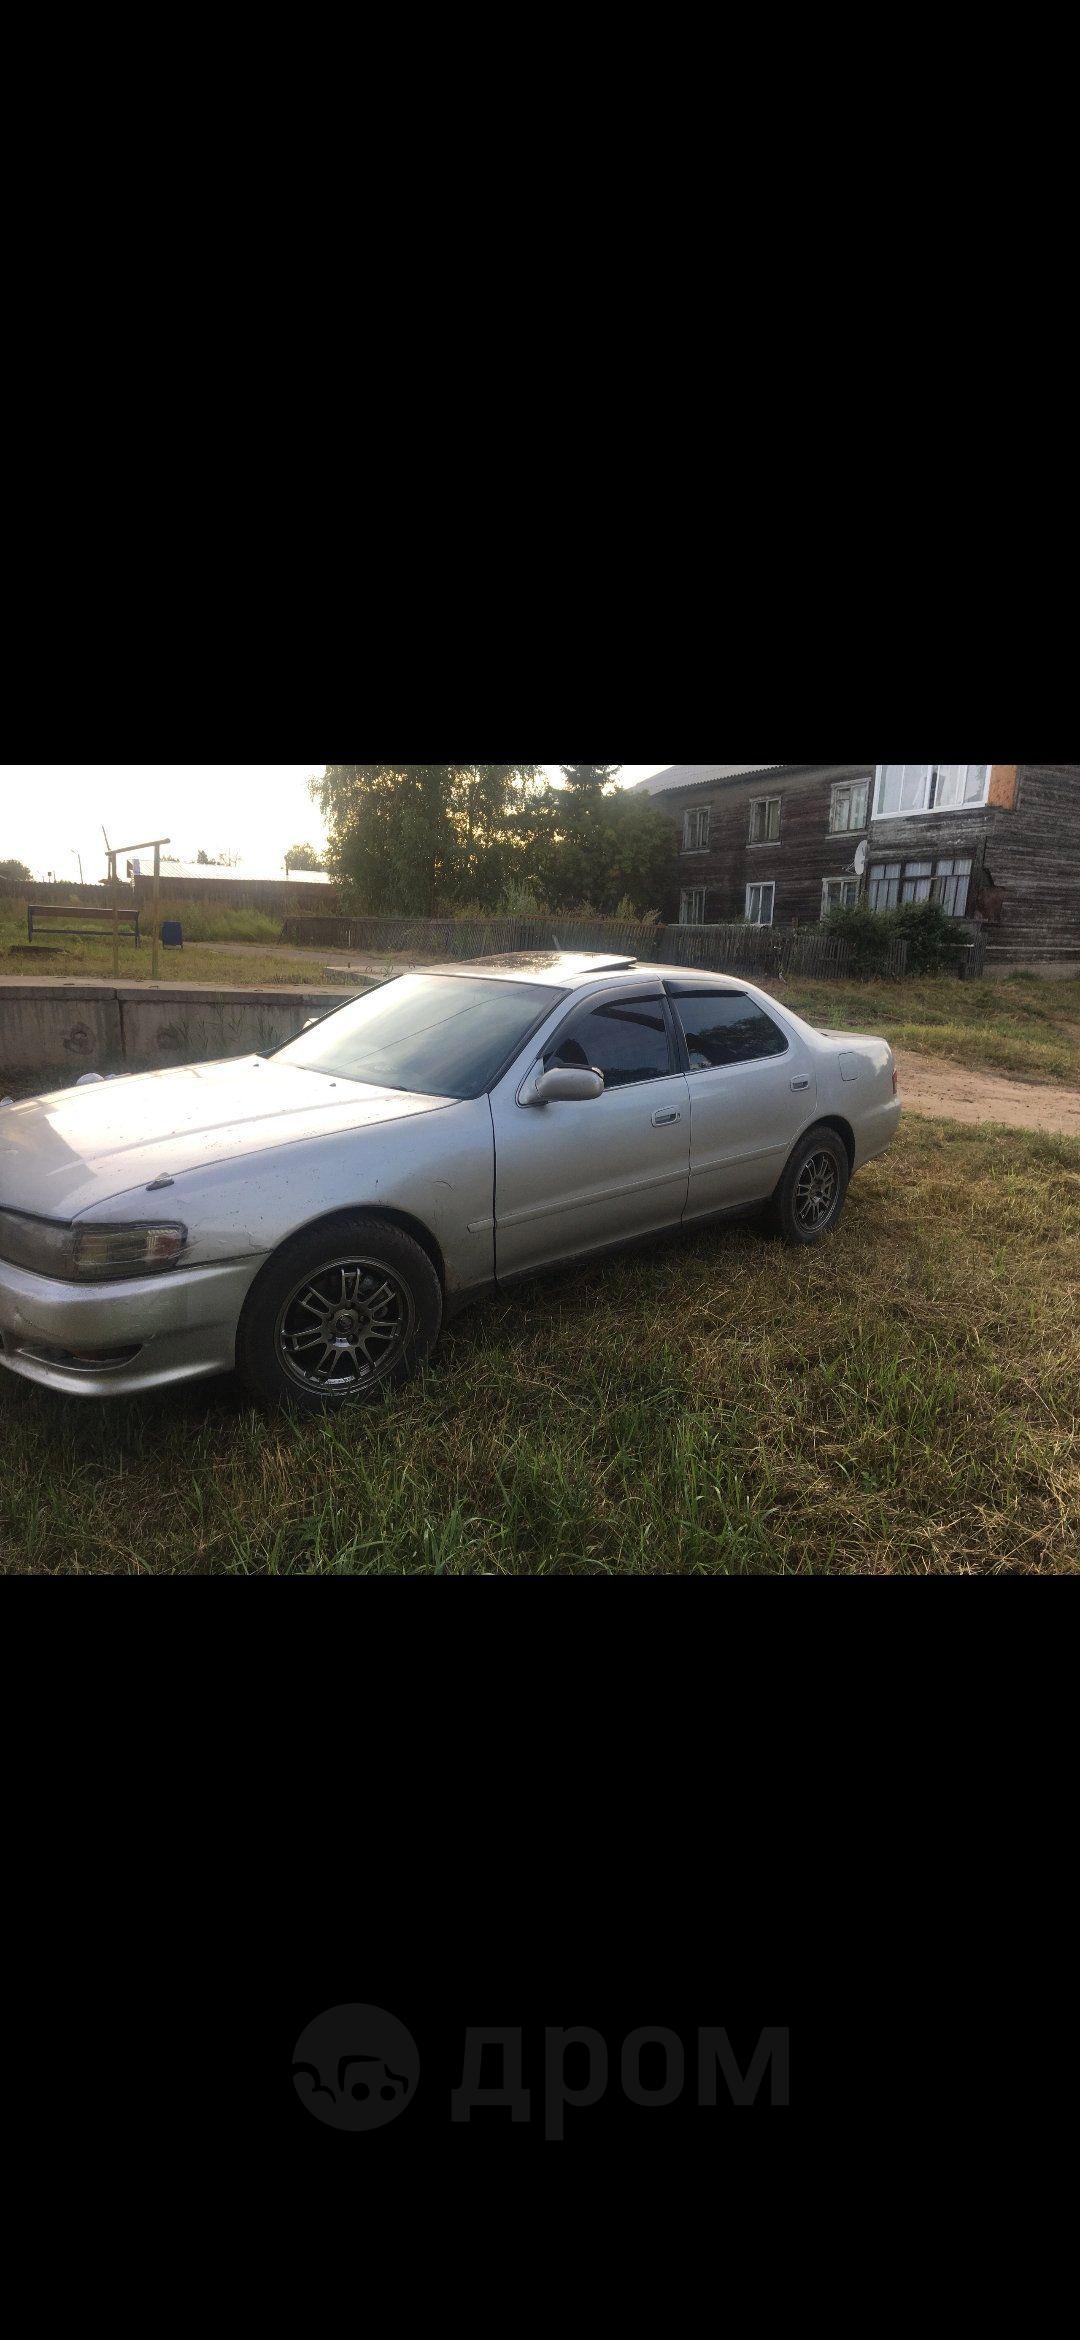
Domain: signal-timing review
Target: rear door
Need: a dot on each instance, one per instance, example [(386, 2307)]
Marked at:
[(753, 1090), (574, 1178)]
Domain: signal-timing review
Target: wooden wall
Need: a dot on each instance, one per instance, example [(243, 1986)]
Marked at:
[(1024, 843), (1033, 854), (804, 854)]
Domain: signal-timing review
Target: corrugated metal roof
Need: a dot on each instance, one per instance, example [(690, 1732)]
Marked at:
[(697, 775)]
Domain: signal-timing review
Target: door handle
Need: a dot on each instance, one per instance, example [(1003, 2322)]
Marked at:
[(800, 1084), (664, 1120)]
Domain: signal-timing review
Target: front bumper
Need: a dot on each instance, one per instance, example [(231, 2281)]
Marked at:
[(172, 1326)]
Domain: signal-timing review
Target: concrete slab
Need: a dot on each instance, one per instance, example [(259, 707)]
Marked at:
[(62, 1026)]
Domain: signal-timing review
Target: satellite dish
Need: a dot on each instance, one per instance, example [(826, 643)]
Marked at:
[(860, 859)]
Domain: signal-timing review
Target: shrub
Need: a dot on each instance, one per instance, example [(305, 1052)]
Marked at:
[(869, 933), (933, 944), (517, 900)]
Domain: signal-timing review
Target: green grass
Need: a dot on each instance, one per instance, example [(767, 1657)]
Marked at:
[(901, 1401), (202, 921), (196, 963), (1026, 1025), (205, 925)]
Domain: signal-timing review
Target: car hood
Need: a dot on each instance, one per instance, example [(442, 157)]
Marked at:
[(63, 1153)]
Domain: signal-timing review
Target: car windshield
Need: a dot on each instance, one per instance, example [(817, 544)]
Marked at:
[(438, 1035)]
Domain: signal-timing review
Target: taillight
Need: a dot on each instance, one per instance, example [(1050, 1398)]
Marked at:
[(895, 1082)]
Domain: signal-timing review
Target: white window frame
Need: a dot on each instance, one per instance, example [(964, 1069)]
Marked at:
[(847, 790), (929, 775), (700, 815), (917, 880), (762, 886), (849, 887), (692, 894), (756, 802)]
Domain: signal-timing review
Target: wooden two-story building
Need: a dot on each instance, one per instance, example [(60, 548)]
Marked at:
[(775, 843)]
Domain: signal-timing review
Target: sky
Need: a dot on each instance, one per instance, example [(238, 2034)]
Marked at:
[(50, 814)]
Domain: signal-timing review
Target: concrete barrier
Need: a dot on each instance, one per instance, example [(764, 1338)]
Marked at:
[(72, 1028)]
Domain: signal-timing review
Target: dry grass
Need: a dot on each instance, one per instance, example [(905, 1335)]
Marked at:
[(903, 1401), (1025, 1024)]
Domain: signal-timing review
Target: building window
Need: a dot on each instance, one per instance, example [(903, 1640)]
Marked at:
[(848, 807), (952, 880), (918, 876), (947, 882), (885, 886), (692, 906), (838, 894), (925, 788), (765, 820), (695, 829), (759, 904)]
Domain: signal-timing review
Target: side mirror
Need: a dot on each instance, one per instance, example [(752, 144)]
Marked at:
[(565, 1084), (311, 1020)]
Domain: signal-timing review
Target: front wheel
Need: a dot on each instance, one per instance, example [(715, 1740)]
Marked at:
[(338, 1314), (810, 1196)]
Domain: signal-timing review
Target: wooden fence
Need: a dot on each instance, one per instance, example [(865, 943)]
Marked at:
[(472, 938), (732, 950), (755, 950)]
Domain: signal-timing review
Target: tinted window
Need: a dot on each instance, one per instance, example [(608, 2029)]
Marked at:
[(439, 1035), (722, 1028), (626, 1040)]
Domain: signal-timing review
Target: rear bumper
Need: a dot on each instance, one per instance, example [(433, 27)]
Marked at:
[(157, 1329)]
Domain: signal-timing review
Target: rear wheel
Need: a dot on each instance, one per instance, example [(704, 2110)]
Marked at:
[(810, 1196), (338, 1314)]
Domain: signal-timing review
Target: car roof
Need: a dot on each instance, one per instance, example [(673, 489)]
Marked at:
[(562, 970), (572, 970)]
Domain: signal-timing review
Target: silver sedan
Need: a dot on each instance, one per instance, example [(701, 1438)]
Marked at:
[(311, 1217)]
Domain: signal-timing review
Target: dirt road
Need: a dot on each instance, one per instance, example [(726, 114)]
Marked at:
[(928, 1084)]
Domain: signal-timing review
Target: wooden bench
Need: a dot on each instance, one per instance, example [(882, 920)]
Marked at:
[(93, 921)]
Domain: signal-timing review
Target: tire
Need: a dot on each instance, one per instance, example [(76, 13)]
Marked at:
[(355, 1277), (811, 1193)]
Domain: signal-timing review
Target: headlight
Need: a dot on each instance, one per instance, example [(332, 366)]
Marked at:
[(87, 1254)]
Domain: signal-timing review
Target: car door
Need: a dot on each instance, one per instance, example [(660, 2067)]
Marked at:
[(753, 1090), (574, 1178)]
